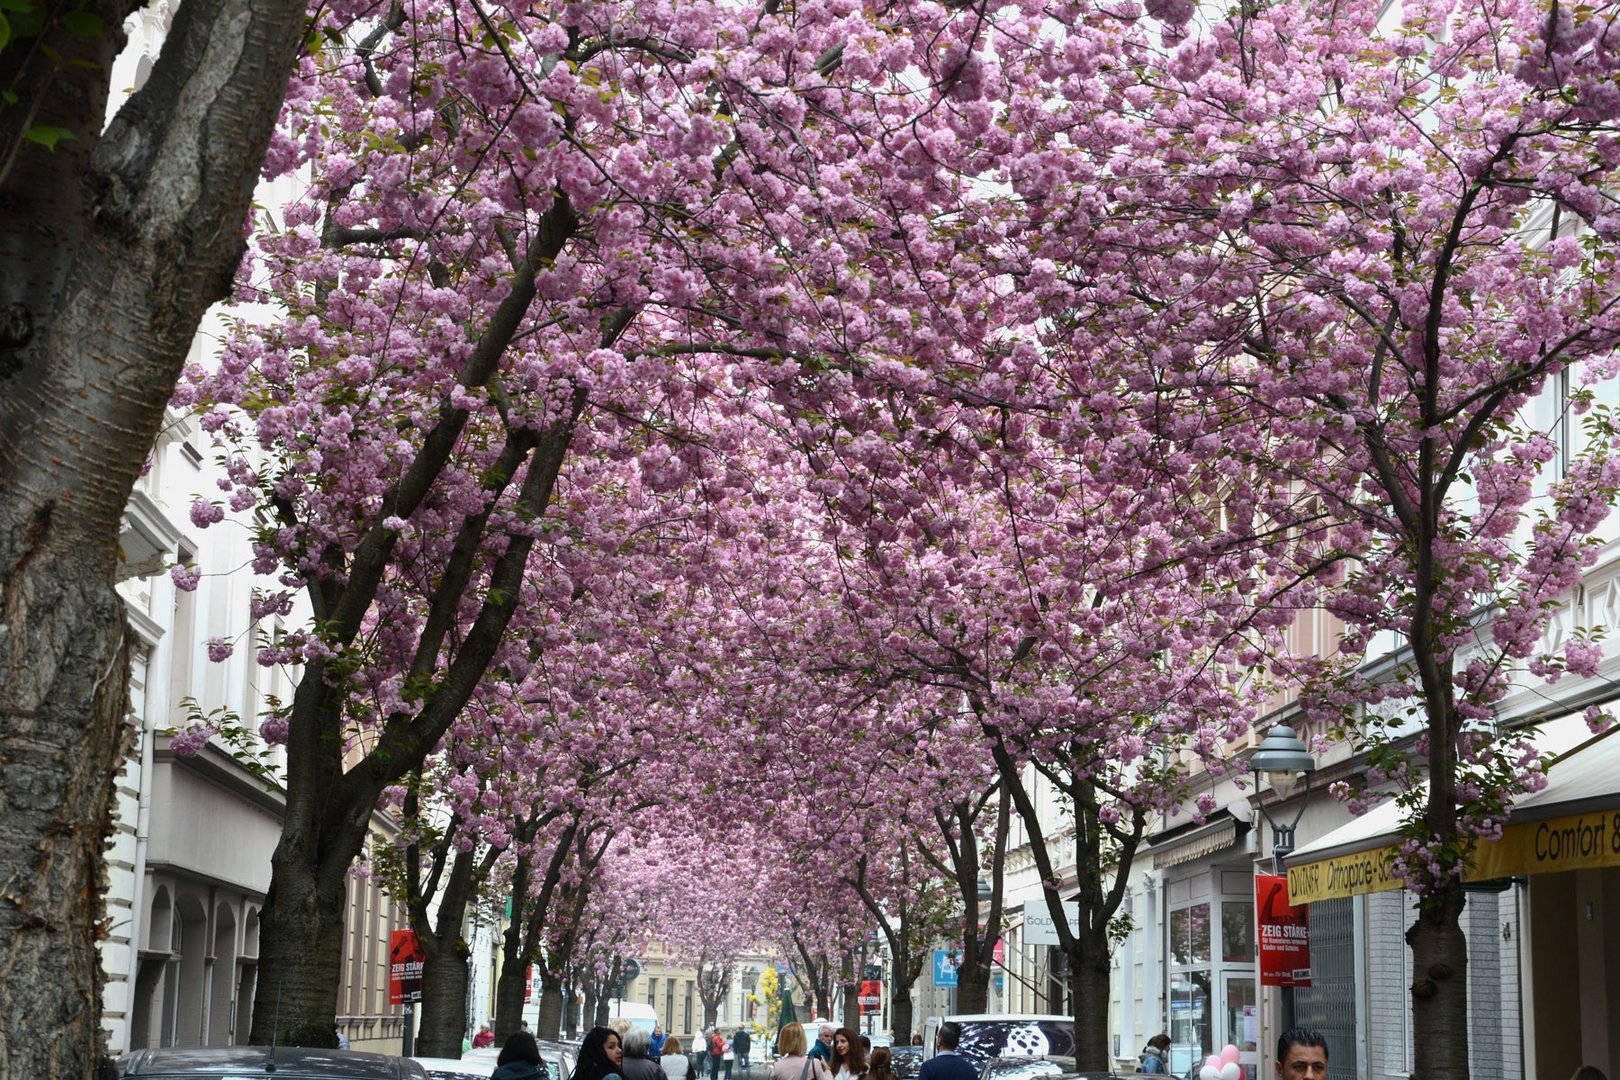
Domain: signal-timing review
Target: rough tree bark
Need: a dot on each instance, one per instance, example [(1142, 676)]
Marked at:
[(112, 247)]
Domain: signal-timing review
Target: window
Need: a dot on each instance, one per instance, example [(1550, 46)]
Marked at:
[(652, 992), (1237, 932), (1189, 935)]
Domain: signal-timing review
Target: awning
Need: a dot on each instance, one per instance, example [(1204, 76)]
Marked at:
[(1185, 845), (1568, 825)]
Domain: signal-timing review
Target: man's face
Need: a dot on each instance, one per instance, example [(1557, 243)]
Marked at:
[(1303, 1063), (825, 1035)]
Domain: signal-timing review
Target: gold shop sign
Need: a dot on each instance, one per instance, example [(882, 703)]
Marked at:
[(1576, 842)]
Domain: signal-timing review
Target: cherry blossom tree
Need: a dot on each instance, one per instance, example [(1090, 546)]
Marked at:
[(534, 237), (114, 239), (1362, 255)]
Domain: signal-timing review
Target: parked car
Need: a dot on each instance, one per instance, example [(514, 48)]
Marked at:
[(471, 1065), (986, 1036), (1025, 1068), (271, 1063), (1051, 1067), (906, 1061), (557, 1057)]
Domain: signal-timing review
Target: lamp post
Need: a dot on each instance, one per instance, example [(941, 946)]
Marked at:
[(1283, 758)]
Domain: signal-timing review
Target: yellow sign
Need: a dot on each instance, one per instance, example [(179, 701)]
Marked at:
[(1343, 875), (1577, 842)]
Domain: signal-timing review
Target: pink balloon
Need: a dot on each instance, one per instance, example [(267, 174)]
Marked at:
[(1214, 1062), (1230, 1055)]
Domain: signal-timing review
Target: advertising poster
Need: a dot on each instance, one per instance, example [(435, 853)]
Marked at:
[(405, 960), (1285, 934)]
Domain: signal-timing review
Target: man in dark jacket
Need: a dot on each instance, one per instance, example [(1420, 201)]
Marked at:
[(947, 1064), (740, 1045)]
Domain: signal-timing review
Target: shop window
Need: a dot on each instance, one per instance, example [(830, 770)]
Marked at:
[(1237, 932), (1189, 935)]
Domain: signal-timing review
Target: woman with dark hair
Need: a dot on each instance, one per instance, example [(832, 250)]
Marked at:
[(881, 1067), (1155, 1056), (848, 1056), (520, 1059), (600, 1055)]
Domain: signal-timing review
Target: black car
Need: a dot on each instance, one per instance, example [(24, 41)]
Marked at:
[(907, 1060), (265, 1063)]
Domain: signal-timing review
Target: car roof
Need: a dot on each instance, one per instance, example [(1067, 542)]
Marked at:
[(283, 1062), (1006, 1018), (478, 1067)]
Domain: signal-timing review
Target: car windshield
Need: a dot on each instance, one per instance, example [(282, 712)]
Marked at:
[(985, 1039)]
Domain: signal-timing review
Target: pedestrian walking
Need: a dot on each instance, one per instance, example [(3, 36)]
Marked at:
[(848, 1057), (717, 1054), (947, 1064), (600, 1055), (1301, 1055), (674, 1062), (637, 1063), (1155, 1056), (795, 1063), (741, 1043), (520, 1059), (880, 1066)]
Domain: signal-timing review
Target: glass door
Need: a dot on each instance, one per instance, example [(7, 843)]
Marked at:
[(1241, 1021)]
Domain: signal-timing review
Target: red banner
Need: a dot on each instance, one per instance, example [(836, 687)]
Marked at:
[(405, 959), (1285, 934)]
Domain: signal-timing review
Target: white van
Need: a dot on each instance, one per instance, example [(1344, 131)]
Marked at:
[(991, 1035), (640, 1016)]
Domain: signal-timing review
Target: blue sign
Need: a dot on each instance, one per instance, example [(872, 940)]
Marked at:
[(945, 967)]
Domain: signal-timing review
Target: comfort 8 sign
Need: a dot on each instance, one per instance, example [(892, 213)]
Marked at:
[(1577, 842)]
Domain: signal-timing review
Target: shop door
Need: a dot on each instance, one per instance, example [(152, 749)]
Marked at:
[(1241, 1020)]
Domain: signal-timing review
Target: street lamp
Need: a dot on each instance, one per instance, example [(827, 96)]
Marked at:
[(1283, 758)]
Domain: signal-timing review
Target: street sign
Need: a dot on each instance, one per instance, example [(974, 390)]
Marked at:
[(631, 969), (945, 963), (873, 1001)]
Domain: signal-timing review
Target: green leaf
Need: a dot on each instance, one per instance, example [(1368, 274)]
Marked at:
[(5, 32), (46, 135), (85, 24)]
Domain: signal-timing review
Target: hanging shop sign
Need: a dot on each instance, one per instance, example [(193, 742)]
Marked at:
[(1575, 842), (1285, 934)]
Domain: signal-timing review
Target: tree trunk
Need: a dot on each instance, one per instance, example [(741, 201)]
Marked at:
[(711, 1013), (571, 1011), (852, 994), (1090, 976), (443, 1009), (300, 957), (603, 1012), (900, 1015), (112, 246), (509, 997), (1440, 987), (551, 1009), (589, 1009), (973, 988)]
